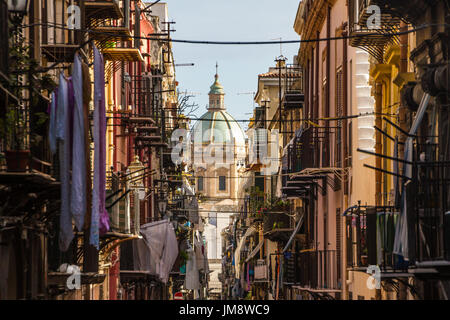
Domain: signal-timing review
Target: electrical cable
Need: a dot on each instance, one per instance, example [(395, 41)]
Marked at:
[(388, 35), (250, 120)]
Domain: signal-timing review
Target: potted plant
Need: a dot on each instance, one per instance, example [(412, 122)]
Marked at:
[(274, 214), (12, 128)]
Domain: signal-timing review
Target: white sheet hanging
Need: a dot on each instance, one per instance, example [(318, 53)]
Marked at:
[(401, 233), (237, 253), (192, 281), (160, 240)]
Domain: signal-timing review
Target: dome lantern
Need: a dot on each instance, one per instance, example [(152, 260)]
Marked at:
[(217, 125), (216, 94)]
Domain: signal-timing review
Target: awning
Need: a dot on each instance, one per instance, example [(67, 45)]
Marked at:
[(237, 253), (299, 225)]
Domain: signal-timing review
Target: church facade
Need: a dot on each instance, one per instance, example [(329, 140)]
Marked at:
[(218, 151)]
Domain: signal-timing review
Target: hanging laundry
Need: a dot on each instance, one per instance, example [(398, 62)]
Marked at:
[(52, 122), (191, 281), (62, 133), (160, 251), (99, 216), (78, 190), (198, 247), (170, 253), (141, 256), (87, 93)]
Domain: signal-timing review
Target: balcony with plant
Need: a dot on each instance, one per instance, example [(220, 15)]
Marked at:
[(24, 122)]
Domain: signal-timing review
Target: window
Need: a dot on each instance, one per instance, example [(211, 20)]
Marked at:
[(259, 181), (339, 113), (200, 184), (222, 184), (350, 145)]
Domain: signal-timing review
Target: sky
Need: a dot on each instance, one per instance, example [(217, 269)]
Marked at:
[(239, 66)]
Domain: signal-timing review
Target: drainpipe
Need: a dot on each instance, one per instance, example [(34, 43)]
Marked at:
[(378, 150), (402, 110), (344, 164), (327, 144), (378, 146)]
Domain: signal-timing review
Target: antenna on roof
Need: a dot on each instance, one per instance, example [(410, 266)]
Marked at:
[(253, 96), (281, 45)]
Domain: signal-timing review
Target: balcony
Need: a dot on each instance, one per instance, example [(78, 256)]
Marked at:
[(299, 156), (123, 206), (106, 9), (276, 223), (431, 212), (58, 44), (293, 96), (260, 117), (122, 54), (317, 271), (373, 41), (107, 31), (370, 235), (409, 11), (25, 144)]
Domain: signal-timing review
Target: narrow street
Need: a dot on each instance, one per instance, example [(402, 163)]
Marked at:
[(248, 150)]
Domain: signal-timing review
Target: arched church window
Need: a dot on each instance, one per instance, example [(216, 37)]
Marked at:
[(222, 183), (200, 183)]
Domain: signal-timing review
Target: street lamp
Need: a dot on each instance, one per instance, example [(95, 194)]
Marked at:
[(136, 173), (162, 204), (19, 7)]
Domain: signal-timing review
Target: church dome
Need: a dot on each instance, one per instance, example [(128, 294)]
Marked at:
[(217, 125)]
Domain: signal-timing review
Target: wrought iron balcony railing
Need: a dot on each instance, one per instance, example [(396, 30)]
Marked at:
[(369, 37), (370, 236), (104, 9), (432, 210), (123, 207), (59, 41), (318, 270), (300, 155), (293, 96)]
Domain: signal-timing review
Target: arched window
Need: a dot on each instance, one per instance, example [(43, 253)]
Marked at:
[(222, 183), (200, 183)]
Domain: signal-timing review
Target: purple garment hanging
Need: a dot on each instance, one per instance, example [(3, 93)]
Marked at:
[(100, 218), (78, 191), (248, 277), (63, 134), (71, 101), (53, 120)]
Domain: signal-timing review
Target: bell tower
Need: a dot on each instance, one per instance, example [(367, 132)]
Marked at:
[(216, 94)]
